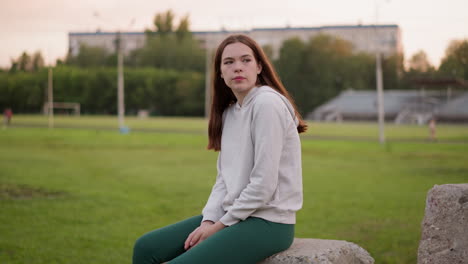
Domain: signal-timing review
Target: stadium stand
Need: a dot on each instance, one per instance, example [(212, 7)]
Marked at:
[(412, 106), (455, 110)]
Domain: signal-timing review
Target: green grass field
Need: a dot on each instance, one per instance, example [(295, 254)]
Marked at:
[(353, 131), (84, 195)]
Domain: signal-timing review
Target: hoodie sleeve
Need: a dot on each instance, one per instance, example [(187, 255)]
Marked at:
[(267, 130), (213, 210)]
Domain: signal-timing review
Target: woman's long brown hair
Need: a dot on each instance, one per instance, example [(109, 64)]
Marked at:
[(223, 96)]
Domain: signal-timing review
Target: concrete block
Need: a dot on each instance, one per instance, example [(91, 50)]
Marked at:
[(444, 238), (319, 251)]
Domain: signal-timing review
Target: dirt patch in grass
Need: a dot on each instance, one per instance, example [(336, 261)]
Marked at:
[(22, 192)]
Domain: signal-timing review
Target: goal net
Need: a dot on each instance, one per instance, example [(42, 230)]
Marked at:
[(66, 108)]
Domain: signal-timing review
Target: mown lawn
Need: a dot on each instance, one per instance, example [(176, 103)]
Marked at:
[(354, 131), (85, 195)]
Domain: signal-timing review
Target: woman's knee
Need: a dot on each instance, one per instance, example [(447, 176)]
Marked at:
[(144, 251)]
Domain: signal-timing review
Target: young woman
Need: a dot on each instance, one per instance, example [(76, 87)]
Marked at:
[(251, 211)]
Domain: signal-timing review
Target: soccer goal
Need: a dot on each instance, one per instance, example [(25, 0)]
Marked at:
[(73, 108)]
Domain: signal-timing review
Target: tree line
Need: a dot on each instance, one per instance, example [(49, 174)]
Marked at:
[(166, 75), (161, 91)]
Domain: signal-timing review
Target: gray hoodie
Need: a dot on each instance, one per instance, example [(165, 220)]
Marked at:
[(259, 165)]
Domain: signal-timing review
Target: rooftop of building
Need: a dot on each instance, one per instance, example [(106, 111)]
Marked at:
[(331, 27), (365, 102)]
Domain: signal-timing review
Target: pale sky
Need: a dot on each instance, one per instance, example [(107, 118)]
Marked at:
[(31, 25)]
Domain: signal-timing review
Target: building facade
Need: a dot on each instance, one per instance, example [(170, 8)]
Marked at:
[(364, 38)]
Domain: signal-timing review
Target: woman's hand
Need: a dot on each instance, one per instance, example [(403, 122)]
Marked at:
[(205, 230)]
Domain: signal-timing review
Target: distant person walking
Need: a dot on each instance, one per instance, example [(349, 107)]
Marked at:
[(432, 129), (7, 115), (251, 211)]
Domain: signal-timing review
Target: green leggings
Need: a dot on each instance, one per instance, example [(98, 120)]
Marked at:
[(246, 242)]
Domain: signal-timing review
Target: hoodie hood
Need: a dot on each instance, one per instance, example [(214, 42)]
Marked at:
[(267, 89)]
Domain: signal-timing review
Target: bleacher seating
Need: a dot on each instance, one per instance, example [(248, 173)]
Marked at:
[(400, 106)]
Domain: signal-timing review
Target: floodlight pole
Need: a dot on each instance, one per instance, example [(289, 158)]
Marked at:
[(380, 99), (120, 83), (120, 77), (50, 95), (379, 80)]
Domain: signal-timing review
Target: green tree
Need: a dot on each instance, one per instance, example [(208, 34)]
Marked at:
[(27, 63), (14, 67), (327, 62), (37, 61), (420, 63), (418, 67), (183, 30), (268, 49), (164, 22), (24, 62), (455, 62), (91, 56), (392, 71), (163, 92), (321, 68), (290, 67), (23, 91), (169, 49)]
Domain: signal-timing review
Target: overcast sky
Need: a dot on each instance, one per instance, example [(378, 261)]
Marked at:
[(31, 25)]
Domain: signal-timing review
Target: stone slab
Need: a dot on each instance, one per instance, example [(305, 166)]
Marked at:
[(320, 251), (444, 236)]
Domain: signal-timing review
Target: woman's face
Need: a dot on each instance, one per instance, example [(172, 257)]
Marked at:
[(239, 69)]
